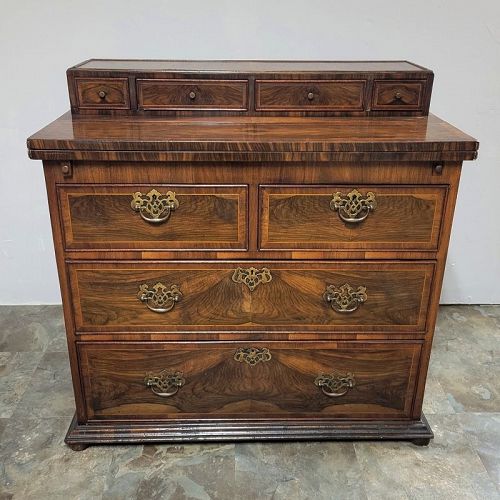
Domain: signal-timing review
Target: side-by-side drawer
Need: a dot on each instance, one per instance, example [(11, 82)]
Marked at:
[(331, 217), (309, 95), (154, 217), (173, 380), (102, 93), (192, 94), (369, 296)]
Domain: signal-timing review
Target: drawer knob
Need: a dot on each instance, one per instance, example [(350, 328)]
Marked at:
[(252, 355), (102, 94), (154, 207), (192, 95), (310, 96), (164, 384), (335, 385), (159, 298), (398, 95), (252, 277), (353, 207), (345, 299)]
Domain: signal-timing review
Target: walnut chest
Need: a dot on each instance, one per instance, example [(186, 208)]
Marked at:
[(250, 249)]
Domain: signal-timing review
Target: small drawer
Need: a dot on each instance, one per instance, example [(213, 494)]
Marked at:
[(175, 216), (102, 93), (397, 95), (251, 380), (313, 296), (309, 95), (340, 217), (192, 94)]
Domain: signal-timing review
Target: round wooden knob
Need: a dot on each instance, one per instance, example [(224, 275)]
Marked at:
[(310, 96), (102, 94), (65, 169), (192, 95)]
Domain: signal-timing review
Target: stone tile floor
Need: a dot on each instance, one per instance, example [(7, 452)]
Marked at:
[(462, 405)]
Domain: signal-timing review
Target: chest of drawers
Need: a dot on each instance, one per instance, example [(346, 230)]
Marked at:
[(250, 250)]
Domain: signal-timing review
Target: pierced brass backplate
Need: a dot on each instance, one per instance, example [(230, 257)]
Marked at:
[(159, 298), (154, 207), (353, 207), (335, 385), (344, 299), (252, 355), (164, 384), (252, 277)]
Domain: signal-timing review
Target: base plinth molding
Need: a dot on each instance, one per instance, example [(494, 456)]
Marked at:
[(79, 436)]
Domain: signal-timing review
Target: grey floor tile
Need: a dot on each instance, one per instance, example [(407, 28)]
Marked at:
[(3, 423), (449, 468), (465, 358), (435, 399), (31, 328), (16, 370), (483, 431), (50, 393), (172, 472), (316, 470), (37, 464)]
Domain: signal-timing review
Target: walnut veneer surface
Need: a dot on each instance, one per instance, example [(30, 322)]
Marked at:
[(269, 275)]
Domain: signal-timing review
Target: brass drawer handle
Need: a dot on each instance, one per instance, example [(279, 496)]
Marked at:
[(164, 384), (102, 94), (353, 207), (252, 355), (335, 385), (252, 277), (159, 298), (154, 207), (344, 299)]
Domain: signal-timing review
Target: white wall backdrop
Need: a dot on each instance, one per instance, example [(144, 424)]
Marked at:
[(458, 39)]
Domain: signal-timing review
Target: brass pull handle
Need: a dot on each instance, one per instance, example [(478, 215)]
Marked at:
[(310, 96), (154, 207), (335, 385), (344, 299), (192, 95), (398, 96), (252, 355), (353, 207), (159, 299), (102, 94), (164, 384), (252, 277)]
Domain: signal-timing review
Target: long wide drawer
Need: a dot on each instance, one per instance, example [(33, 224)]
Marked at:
[(329, 217), (154, 217), (290, 296), (172, 380)]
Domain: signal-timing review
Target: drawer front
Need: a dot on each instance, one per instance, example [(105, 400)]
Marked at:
[(192, 94), (309, 95), (175, 380), (154, 217), (351, 217), (251, 296), (102, 93), (398, 95)]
